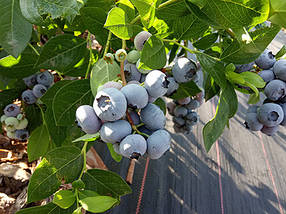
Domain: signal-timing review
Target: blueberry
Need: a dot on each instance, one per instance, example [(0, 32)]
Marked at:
[(133, 56), (244, 67), (133, 146), (87, 119), (30, 81), (134, 117), (120, 55), (11, 122), (269, 130), (134, 82), (267, 75), (156, 83), (45, 78), (252, 109), (3, 118), (151, 99), (116, 148), (131, 72), (192, 118), (158, 143), (153, 117), (29, 97), (141, 70), (12, 110), (22, 124), (179, 121), (21, 134), (145, 130), (140, 39), (270, 114), (112, 132), (184, 70), (283, 123), (11, 135), (110, 104), (20, 117), (252, 123), (280, 69), (171, 107), (266, 60), (111, 84), (172, 86), (180, 111), (109, 58), (275, 90), (184, 101), (136, 96), (39, 90)]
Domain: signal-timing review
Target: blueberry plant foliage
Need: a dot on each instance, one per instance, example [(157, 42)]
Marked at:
[(38, 35)]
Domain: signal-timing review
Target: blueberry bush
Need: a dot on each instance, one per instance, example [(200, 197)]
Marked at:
[(76, 72)]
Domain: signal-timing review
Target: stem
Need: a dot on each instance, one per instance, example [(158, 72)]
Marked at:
[(122, 66), (166, 3), (83, 151), (186, 45), (177, 43), (43, 115), (34, 49), (135, 19), (60, 76), (230, 32), (133, 126), (107, 43), (77, 199), (90, 55), (123, 44)]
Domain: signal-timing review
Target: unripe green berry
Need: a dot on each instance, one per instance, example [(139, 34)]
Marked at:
[(9, 128), (78, 184), (120, 55), (22, 124), (109, 58), (20, 117), (133, 56), (11, 135), (11, 122), (3, 118)]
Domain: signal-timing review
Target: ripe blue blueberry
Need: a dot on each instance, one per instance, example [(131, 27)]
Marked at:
[(110, 84), (134, 117), (110, 104), (266, 60), (184, 70), (244, 67), (279, 69), (172, 86), (270, 114), (45, 78), (252, 109), (184, 101), (29, 97), (145, 130), (267, 75), (112, 132), (269, 130), (131, 72), (252, 123), (179, 121), (12, 110), (156, 83), (180, 111), (152, 99), (133, 56), (136, 96), (21, 134), (193, 104), (158, 143), (133, 146), (275, 90), (283, 123), (30, 81), (87, 119), (39, 90), (153, 117), (192, 118), (171, 107), (140, 39)]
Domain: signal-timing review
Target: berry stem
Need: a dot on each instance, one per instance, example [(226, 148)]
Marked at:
[(90, 54), (34, 49), (179, 44), (83, 152), (107, 43), (122, 66)]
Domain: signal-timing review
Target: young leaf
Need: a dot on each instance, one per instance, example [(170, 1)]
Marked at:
[(87, 137), (128, 7), (188, 89), (62, 52), (98, 204), (15, 30), (43, 182), (49, 208), (38, 143), (68, 98), (206, 41), (113, 154), (253, 78), (281, 52), (64, 198), (154, 54), (278, 12), (105, 183), (101, 73)]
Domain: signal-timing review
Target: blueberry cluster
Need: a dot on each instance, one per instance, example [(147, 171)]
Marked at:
[(38, 84), (183, 112), (15, 123), (267, 117)]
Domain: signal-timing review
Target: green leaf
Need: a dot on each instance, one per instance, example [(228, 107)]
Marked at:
[(281, 52), (49, 208), (278, 12), (101, 73), (64, 198), (253, 78), (162, 28), (253, 99), (206, 41), (77, 210), (188, 89), (242, 52), (38, 143), (30, 11), (211, 88), (33, 113), (68, 162), (113, 154), (161, 103), (128, 7), (15, 31), (68, 98), (105, 183), (118, 23), (153, 53), (232, 14), (43, 183), (98, 204), (87, 138), (146, 9), (62, 52), (172, 10)]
